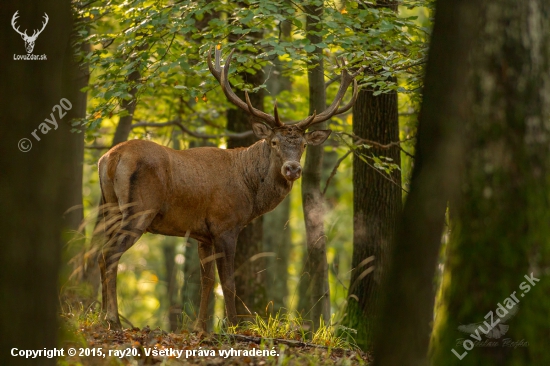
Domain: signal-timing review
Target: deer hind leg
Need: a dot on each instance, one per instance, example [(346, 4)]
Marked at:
[(108, 218), (207, 258), (226, 245), (135, 221)]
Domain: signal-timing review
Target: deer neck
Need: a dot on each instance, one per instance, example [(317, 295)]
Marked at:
[(263, 178)]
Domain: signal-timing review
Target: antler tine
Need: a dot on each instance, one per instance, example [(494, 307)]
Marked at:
[(276, 115), (222, 75), (214, 70), (304, 124), (45, 22), (332, 110), (217, 58), (14, 26), (37, 32), (224, 82), (251, 109), (352, 101)]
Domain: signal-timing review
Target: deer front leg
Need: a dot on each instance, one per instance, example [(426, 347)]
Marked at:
[(226, 245), (206, 256)]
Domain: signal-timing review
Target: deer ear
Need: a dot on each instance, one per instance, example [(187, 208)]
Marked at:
[(261, 131), (317, 137)]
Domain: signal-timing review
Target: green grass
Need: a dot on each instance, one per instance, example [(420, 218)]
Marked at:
[(290, 326)]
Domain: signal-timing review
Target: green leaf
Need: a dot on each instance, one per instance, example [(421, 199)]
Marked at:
[(309, 48)]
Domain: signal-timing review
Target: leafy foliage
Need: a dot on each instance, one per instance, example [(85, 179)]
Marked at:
[(167, 43)]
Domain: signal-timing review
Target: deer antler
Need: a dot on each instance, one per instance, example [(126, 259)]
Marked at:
[(36, 33), (332, 110), (221, 74), (24, 34), (13, 19)]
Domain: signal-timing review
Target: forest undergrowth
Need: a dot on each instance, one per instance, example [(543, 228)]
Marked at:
[(276, 340)]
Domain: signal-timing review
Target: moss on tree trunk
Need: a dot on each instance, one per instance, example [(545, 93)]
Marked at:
[(501, 230)]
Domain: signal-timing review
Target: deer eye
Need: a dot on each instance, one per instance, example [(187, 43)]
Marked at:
[(273, 143), (305, 145)]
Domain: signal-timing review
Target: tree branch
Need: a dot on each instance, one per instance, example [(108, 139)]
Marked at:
[(259, 340), (359, 140), (189, 132), (182, 128), (334, 170)]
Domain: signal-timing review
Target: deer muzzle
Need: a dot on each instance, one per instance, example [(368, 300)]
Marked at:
[(291, 170)]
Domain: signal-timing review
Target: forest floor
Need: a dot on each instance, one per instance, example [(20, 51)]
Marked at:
[(95, 344)]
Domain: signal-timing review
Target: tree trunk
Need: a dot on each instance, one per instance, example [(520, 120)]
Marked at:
[(276, 229), (249, 270), (406, 306), (500, 230), (124, 126), (315, 301), (191, 290), (73, 264), (78, 77), (169, 250), (31, 191), (376, 208), (169, 253), (277, 240)]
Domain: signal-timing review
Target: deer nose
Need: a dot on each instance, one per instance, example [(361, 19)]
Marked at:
[(291, 170)]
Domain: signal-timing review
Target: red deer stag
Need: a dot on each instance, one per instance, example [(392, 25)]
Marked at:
[(207, 193)]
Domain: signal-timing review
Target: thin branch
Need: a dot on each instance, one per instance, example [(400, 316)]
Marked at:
[(333, 80), (334, 170), (259, 340), (182, 128), (205, 120), (406, 152), (359, 140), (189, 132), (385, 176)]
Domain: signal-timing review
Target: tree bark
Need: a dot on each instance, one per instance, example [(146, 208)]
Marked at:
[(277, 239), (249, 270), (169, 253), (315, 301), (31, 191), (500, 230), (376, 208), (276, 229), (406, 307), (191, 290), (249, 277), (72, 271), (124, 126)]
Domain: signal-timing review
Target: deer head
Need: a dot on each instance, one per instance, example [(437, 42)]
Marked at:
[(288, 141), (29, 40)]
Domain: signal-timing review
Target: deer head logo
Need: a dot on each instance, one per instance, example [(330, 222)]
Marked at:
[(29, 40)]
